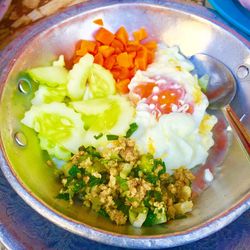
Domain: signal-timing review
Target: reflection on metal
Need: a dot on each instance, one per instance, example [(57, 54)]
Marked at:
[(242, 117), (24, 86), (243, 71), (20, 139)]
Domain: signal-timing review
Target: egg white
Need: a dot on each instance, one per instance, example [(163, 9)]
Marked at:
[(180, 139)]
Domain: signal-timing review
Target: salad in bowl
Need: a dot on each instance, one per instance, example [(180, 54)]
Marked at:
[(123, 123)]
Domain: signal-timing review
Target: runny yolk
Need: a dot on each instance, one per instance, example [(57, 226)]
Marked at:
[(166, 100), (144, 90)]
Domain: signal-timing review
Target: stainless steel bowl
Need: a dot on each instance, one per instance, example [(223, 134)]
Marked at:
[(195, 30)]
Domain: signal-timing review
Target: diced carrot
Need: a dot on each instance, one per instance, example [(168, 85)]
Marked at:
[(76, 59), (118, 46), (81, 52), (133, 46), (98, 44), (98, 21), (122, 35), (123, 57), (131, 56), (104, 36), (152, 45), (98, 59), (109, 62), (88, 45), (122, 86), (140, 34), (150, 55), (116, 72), (132, 72), (123, 60), (124, 73), (141, 59), (106, 50)]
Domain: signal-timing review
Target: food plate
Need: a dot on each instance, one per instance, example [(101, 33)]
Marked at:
[(234, 13), (209, 214)]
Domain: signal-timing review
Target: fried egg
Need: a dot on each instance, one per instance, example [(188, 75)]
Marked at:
[(171, 111)]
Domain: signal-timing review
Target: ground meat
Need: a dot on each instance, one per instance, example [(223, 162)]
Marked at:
[(119, 179)]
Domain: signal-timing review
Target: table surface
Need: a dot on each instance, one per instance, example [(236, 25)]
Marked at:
[(22, 228)]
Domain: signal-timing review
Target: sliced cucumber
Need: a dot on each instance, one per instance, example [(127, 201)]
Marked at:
[(112, 114), (126, 115), (114, 120), (51, 76), (78, 77), (91, 106), (57, 123), (54, 150), (101, 81), (46, 94)]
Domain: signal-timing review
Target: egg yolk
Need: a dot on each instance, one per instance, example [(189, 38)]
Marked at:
[(165, 98), (144, 90)]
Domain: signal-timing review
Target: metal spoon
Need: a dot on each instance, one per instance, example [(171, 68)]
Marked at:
[(220, 91)]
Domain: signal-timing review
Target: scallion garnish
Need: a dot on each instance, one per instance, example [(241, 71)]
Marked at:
[(132, 128), (98, 136), (112, 137)]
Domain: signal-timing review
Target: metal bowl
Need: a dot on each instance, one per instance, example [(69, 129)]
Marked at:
[(195, 30)]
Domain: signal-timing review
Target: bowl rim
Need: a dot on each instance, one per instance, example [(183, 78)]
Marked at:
[(166, 240)]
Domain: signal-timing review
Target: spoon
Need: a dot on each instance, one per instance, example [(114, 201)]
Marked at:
[(220, 91)]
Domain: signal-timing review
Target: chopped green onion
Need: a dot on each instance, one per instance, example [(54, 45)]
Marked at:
[(63, 196), (132, 128), (98, 136), (112, 137), (103, 213), (74, 170)]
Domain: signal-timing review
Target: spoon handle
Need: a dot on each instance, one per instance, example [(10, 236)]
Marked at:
[(242, 132)]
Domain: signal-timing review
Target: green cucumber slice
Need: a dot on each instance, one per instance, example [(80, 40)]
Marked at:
[(46, 94), (91, 106), (57, 123), (54, 150), (112, 114), (101, 82), (51, 76), (78, 77)]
